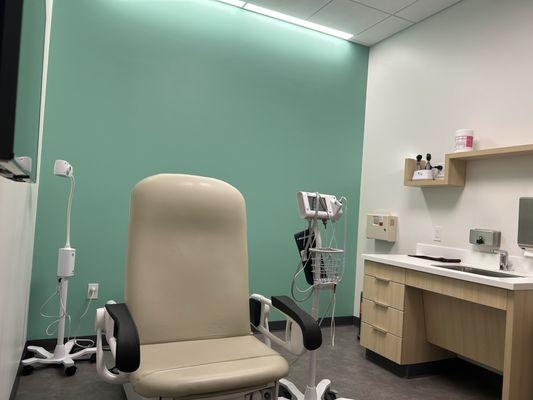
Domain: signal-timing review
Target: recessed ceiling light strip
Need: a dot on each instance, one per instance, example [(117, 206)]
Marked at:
[(236, 3), (289, 19)]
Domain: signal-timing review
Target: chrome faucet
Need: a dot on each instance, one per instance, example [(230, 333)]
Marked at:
[(504, 259)]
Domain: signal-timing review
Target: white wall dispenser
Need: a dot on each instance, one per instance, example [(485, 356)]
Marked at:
[(381, 227)]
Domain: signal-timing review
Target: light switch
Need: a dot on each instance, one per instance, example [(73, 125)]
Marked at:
[(437, 233)]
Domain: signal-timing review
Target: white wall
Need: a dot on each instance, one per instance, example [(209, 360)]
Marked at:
[(18, 210), (18, 204), (470, 66)]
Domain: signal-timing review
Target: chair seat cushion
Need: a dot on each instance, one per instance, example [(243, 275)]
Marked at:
[(205, 367)]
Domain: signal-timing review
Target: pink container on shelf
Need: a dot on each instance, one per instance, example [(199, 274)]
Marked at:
[(464, 140)]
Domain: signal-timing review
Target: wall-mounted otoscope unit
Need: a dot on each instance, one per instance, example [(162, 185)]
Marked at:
[(424, 170)]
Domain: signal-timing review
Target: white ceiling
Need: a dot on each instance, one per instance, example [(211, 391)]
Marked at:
[(370, 21)]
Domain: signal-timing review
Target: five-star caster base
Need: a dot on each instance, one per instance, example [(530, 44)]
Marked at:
[(322, 391), (61, 355)]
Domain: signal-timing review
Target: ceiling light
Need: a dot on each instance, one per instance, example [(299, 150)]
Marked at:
[(294, 20), (236, 3)]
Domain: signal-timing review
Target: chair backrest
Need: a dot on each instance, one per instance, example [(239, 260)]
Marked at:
[(187, 261)]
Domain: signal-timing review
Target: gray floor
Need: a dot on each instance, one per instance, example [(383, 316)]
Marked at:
[(352, 375)]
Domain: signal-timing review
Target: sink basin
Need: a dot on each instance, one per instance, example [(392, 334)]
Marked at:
[(478, 271)]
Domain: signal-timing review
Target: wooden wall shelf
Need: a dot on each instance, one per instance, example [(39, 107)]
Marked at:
[(455, 165)]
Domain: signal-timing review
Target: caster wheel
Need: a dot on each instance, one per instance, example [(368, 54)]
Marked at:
[(330, 395), (69, 371), (282, 392), (26, 370), (93, 358)]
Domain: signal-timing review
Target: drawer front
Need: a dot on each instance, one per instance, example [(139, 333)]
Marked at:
[(381, 342), (395, 274), (384, 317), (384, 291)]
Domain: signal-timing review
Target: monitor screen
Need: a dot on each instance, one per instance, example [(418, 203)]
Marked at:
[(322, 206), (22, 33), (525, 222), (10, 33)]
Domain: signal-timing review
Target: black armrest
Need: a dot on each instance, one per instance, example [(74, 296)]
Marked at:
[(255, 312), (312, 335), (128, 352)]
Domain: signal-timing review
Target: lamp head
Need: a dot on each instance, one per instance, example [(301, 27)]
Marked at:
[(63, 168)]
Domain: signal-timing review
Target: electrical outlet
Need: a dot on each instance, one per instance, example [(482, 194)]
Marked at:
[(437, 233), (92, 291)]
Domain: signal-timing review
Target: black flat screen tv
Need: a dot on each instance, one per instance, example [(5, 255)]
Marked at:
[(10, 35), (22, 29)]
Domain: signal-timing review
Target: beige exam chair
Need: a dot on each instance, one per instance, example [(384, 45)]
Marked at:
[(183, 331)]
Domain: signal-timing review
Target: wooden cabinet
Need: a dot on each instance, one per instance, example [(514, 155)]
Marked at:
[(392, 318), (447, 320), (411, 317)]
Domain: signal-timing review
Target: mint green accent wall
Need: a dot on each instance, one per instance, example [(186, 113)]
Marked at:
[(142, 87)]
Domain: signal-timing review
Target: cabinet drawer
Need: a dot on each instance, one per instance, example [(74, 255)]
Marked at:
[(384, 291), (381, 342), (384, 271), (383, 316)]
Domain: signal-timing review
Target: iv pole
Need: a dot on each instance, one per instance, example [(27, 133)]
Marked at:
[(323, 280)]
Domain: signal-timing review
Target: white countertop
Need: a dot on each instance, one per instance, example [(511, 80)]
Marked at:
[(418, 264)]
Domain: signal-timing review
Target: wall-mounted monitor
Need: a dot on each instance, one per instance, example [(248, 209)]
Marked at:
[(22, 25), (525, 223)]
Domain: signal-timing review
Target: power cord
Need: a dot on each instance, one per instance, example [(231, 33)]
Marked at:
[(69, 207), (58, 318), (90, 341), (331, 307)]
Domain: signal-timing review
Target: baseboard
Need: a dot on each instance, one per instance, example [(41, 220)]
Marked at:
[(412, 370), (436, 367), (339, 321)]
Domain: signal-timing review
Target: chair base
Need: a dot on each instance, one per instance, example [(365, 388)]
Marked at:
[(256, 394), (320, 392), (61, 355)]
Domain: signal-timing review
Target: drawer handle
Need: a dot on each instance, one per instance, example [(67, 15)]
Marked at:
[(381, 304), (384, 280), (380, 330)]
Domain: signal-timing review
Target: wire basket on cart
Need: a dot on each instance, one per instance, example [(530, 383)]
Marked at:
[(328, 264)]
